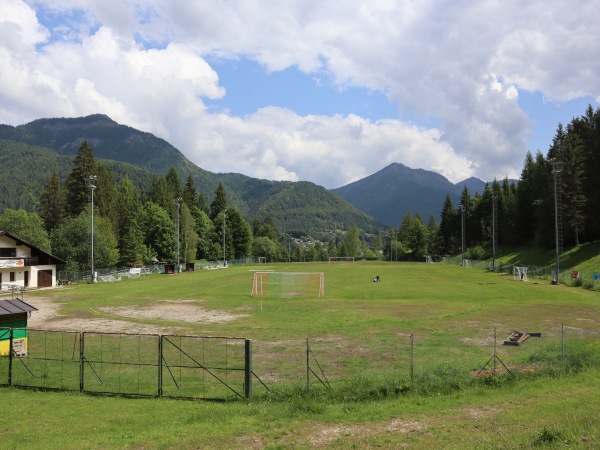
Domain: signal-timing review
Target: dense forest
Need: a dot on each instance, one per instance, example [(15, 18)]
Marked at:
[(561, 188)]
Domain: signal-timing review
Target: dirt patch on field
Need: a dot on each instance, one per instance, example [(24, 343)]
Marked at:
[(126, 319), (325, 435), (188, 311)]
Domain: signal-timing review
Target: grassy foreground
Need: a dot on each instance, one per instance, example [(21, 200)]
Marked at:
[(451, 311)]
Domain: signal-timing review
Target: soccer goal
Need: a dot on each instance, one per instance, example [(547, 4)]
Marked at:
[(288, 284), (262, 259), (520, 273), (341, 260)]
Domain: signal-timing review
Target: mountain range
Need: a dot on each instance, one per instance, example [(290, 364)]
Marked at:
[(29, 154)]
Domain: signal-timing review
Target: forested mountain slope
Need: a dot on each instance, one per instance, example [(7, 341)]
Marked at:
[(30, 153)]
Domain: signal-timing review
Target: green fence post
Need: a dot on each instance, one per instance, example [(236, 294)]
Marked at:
[(81, 361), (307, 365), (160, 359), (248, 369), (412, 360), (10, 356)]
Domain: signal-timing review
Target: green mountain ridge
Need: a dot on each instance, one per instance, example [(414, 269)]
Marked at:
[(30, 153)]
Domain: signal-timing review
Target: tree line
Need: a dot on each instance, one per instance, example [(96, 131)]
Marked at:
[(561, 188)]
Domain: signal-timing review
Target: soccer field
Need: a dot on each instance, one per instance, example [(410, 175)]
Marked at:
[(430, 324)]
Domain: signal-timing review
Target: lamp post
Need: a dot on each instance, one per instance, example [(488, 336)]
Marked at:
[(462, 234), (557, 168), (91, 185), (494, 199), (223, 238), (178, 202)]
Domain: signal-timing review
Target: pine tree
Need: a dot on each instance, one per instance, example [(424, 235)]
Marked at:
[(77, 184), (219, 204), (53, 202), (190, 197), (130, 235)]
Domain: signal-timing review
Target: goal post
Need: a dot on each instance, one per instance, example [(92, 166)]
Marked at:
[(288, 284), (520, 273), (341, 260)]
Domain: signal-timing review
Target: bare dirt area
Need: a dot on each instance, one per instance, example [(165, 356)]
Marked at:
[(127, 319), (322, 436)]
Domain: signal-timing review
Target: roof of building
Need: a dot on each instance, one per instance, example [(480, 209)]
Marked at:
[(15, 306), (18, 240)]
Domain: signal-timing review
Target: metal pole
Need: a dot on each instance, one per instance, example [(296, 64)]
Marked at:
[(178, 201), (412, 360), (556, 169), (494, 198), (91, 184), (307, 365), (223, 238), (562, 334), (462, 234), (248, 369)]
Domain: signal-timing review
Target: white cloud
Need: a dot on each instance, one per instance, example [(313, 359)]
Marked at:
[(460, 63)]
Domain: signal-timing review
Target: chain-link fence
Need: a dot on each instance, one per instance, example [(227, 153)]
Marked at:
[(234, 368)]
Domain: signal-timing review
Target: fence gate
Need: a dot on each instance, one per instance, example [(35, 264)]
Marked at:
[(204, 367)]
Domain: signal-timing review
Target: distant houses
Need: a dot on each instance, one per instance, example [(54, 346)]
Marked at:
[(25, 265)]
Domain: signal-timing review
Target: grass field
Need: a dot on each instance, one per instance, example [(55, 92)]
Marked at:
[(360, 333)]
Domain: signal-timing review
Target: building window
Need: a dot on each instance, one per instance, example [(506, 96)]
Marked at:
[(8, 252), (12, 276)]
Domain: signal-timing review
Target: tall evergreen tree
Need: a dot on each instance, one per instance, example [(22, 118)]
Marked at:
[(53, 203), (105, 195), (190, 196), (78, 192), (448, 227), (219, 204), (130, 235)]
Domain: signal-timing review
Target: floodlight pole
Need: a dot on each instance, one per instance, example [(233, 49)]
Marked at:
[(462, 233), (494, 199), (557, 168), (178, 202), (91, 185), (223, 238)]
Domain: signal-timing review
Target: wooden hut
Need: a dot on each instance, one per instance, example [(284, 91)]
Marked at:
[(14, 314)]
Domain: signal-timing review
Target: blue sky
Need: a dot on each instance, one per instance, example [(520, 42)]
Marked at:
[(318, 90)]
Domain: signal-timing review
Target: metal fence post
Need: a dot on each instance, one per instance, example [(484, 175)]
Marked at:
[(412, 360), (248, 369), (562, 357), (10, 356), (160, 359), (81, 360), (307, 365)]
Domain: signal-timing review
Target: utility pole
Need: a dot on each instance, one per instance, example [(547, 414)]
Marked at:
[(91, 185), (178, 202), (557, 168)]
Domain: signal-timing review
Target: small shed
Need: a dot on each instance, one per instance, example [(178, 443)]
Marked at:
[(14, 314)]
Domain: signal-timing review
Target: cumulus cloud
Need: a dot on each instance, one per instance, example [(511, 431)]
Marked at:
[(459, 63)]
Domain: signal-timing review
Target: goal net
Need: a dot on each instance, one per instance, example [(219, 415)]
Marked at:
[(520, 273), (288, 284), (341, 260), (428, 259)]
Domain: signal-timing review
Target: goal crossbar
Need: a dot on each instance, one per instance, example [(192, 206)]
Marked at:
[(288, 284), (341, 259)]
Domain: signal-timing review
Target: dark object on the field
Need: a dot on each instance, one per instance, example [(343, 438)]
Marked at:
[(376, 279), (518, 337)]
